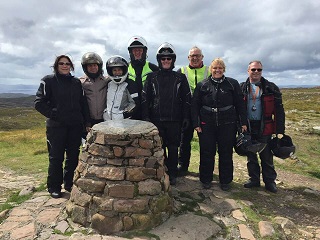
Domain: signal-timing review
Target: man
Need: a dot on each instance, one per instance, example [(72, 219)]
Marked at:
[(139, 67), (266, 116), (195, 72), (94, 85), (166, 103)]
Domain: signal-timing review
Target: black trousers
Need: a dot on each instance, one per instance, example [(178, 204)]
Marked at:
[(215, 138), (185, 147), (267, 167), (63, 144), (170, 133)]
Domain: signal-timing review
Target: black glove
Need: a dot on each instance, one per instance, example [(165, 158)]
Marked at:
[(127, 114), (54, 114), (185, 124)]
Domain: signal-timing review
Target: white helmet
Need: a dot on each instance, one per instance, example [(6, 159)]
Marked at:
[(166, 50), (137, 41), (117, 61)]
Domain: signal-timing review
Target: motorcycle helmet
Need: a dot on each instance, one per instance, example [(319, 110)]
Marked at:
[(117, 61), (166, 50), (89, 58), (137, 42), (282, 147), (244, 145)]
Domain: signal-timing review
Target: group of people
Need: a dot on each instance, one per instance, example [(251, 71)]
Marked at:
[(194, 98)]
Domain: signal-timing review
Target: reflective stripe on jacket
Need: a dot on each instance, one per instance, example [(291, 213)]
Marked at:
[(195, 75), (132, 73), (64, 94)]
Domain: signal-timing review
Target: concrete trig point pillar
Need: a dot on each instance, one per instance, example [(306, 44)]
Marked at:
[(120, 183)]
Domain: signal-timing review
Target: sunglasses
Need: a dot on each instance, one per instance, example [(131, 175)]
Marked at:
[(166, 58), (256, 69), (64, 63)]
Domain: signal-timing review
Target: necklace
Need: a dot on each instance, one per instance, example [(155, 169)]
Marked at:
[(254, 97)]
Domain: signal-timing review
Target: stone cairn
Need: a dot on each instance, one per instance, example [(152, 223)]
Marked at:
[(120, 182)]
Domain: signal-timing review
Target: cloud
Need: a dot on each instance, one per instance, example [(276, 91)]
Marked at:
[(282, 34)]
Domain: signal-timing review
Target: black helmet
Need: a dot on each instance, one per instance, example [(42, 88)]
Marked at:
[(89, 58), (166, 50), (117, 61), (244, 145), (282, 147)]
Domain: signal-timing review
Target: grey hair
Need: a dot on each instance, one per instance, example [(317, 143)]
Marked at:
[(195, 47), (255, 61)]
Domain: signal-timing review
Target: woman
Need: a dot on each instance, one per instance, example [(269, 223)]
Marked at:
[(217, 106), (61, 99)]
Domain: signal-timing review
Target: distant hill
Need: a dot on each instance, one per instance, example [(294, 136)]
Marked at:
[(14, 95), (15, 99), (19, 88), (32, 89), (11, 102), (298, 86)]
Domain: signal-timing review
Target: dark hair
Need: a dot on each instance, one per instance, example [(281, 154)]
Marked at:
[(55, 65)]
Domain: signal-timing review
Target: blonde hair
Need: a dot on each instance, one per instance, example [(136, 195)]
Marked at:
[(218, 61)]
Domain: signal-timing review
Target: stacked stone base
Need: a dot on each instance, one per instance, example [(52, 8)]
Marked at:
[(120, 182)]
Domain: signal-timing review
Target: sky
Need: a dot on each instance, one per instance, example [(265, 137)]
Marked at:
[(283, 34)]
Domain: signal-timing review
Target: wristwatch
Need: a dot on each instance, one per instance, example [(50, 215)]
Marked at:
[(279, 135)]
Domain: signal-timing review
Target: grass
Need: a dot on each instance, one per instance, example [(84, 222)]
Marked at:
[(302, 108), (15, 199), (24, 150), (301, 99), (23, 141), (23, 147)]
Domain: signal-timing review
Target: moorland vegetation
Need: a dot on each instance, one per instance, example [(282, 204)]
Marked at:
[(23, 151)]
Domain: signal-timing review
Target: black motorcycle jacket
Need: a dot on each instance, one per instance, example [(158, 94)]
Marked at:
[(166, 96), (218, 102), (61, 99), (273, 116)]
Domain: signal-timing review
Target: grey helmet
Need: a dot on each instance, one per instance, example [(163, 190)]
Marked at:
[(166, 50), (138, 42), (91, 58), (117, 61)]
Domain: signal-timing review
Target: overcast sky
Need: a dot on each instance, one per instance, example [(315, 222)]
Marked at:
[(283, 34)]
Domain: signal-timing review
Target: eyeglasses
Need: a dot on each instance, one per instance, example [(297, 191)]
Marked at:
[(166, 58), (256, 69), (195, 55), (64, 63)]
